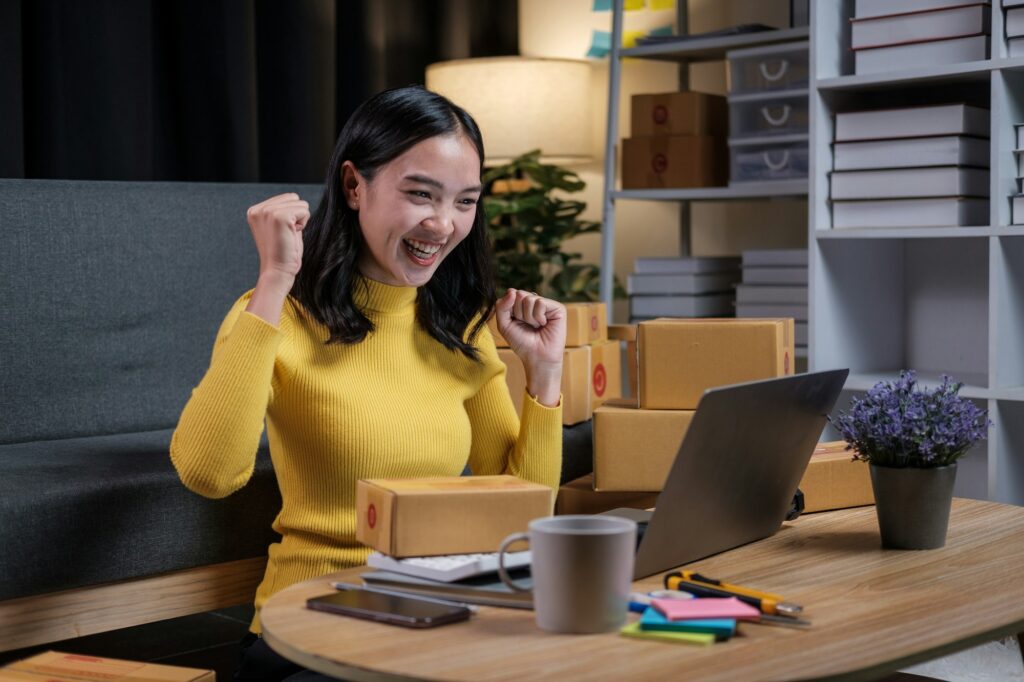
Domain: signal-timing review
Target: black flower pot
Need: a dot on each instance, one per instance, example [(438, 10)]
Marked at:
[(913, 505)]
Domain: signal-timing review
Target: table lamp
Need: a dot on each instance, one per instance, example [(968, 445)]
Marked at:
[(521, 104)]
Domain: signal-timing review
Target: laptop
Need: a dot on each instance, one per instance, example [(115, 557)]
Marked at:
[(737, 469)]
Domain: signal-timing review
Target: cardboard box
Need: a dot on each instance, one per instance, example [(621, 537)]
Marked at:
[(605, 372), (680, 359), (834, 481), (579, 497), (679, 113), (405, 517), (633, 448), (672, 161), (576, 381), (585, 323), (54, 665)]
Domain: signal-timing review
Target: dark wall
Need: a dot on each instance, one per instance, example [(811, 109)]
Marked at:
[(213, 90)]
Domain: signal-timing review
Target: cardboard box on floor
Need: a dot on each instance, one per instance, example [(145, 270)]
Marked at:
[(674, 161), (833, 480), (579, 497), (680, 359), (576, 380), (54, 666), (634, 448), (446, 514), (585, 323), (679, 113)]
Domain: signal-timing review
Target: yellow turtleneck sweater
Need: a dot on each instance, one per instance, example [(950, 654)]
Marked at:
[(397, 404)]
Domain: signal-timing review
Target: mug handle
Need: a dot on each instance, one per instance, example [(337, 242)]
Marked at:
[(502, 573)]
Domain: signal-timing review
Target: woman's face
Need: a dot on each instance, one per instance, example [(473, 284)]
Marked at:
[(416, 210)]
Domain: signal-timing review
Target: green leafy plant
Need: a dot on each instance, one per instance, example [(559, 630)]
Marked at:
[(529, 218)]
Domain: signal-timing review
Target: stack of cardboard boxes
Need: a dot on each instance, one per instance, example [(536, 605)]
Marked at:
[(678, 140), (591, 369), (636, 441)]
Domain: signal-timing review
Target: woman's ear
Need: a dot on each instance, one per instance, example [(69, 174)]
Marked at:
[(352, 184)]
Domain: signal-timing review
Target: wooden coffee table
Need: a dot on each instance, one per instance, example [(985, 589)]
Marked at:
[(873, 611)]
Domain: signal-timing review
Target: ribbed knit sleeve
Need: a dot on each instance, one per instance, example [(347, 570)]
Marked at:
[(214, 445), (502, 444)]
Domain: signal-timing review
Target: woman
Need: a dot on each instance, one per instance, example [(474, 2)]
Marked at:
[(364, 345)]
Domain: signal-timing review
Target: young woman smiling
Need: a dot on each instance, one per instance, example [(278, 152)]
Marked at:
[(364, 348)]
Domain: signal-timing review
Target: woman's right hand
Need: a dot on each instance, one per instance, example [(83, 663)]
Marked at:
[(276, 226)]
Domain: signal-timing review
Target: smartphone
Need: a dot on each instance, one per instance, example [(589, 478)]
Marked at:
[(389, 608)]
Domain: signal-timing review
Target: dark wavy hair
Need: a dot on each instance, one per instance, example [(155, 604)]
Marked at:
[(462, 287)]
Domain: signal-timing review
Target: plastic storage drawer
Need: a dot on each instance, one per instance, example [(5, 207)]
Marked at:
[(765, 160), (765, 69), (759, 115)]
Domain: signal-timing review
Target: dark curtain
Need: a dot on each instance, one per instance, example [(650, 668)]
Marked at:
[(213, 90)]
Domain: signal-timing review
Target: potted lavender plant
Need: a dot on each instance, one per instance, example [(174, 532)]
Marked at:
[(912, 439)]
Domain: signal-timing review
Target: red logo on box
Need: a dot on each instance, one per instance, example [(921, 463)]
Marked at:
[(371, 516), (593, 323), (785, 363), (600, 380), (659, 163), (660, 114)]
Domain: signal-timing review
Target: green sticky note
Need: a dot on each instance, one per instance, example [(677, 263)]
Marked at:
[(661, 31), (696, 638)]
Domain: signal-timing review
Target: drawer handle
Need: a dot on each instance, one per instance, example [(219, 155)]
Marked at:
[(776, 166), (772, 77), (782, 118)]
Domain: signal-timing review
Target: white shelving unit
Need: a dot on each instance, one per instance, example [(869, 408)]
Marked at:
[(695, 50), (937, 300)]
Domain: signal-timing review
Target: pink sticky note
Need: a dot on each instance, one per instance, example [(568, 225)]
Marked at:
[(707, 607)]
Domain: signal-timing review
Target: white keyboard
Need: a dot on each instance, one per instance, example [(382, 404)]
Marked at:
[(450, 567)]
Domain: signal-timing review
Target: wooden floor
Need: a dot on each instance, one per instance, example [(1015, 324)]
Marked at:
[(206, 640)]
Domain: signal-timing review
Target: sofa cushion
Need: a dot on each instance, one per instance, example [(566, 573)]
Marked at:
[(112, 293), (85, 511)]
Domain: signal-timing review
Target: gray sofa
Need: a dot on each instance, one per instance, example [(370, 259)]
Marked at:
[(111, 295)]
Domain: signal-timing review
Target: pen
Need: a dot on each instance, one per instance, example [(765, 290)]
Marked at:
[(394, 593), (737, 589), (767, 604)]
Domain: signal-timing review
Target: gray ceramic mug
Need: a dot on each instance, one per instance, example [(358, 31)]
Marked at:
[(582, 568)]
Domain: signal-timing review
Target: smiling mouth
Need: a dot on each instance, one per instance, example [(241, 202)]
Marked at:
[(421, 250)]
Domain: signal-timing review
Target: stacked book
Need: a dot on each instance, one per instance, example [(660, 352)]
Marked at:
[(1014, 27), (775, 285), (904, 34), (682, 287), (911, 167)]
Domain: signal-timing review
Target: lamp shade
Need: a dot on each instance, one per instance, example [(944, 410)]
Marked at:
[(522, 103)]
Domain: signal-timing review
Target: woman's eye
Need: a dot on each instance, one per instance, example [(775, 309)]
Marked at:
[(468, 202), (419, 194)]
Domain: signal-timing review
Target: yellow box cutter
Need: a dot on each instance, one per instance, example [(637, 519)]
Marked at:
[(702, 586)]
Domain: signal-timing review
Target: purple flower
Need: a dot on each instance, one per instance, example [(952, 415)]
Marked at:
[(897, 425)]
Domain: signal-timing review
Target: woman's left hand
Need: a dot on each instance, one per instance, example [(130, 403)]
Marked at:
[(535, 330)]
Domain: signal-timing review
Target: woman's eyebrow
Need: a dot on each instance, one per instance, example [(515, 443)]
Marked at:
[(423, 179)]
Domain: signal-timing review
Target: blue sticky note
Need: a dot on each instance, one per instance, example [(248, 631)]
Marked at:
[(600, 44), (602, 6), (661, 31), (722, 628)]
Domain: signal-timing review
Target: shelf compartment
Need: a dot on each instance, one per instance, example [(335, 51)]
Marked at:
[(912, 232), (1008, 435), (1008, 313), (881, 305)]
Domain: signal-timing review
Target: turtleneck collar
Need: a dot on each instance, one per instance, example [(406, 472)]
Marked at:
[(382, 298)]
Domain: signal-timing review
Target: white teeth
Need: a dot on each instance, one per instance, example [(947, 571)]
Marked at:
[(422, 249)]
